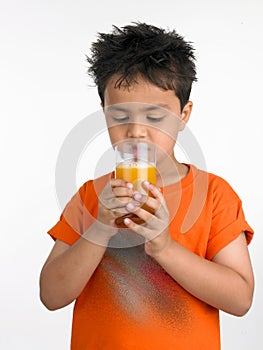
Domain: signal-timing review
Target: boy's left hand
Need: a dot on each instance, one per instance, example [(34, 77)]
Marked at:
[(155, 230)]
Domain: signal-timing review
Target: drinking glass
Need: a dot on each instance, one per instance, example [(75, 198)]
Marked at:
[(135, 163)]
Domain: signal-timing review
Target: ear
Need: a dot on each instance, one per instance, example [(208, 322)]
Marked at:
[(185, 115)]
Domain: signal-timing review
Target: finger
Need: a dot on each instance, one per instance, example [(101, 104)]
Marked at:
[(144, 199), (155, 191), (116, 203), (118, 197), (111, 186), (122, 192), (142, 230), (120, 183), (158, 207), (140, 212)]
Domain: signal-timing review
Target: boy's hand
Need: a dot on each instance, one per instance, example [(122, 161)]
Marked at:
[(113, 201), (156, 226)]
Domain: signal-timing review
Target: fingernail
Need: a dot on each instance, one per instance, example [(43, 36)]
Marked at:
[(137, 196), (130, 206), (147, 183), (129, 185), (127, 221)]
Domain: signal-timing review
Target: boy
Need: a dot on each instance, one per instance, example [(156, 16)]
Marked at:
[(167, 292)]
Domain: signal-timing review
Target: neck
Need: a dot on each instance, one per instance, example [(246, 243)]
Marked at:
[(170, 171)]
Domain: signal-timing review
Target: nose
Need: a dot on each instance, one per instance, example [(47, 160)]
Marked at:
[(136, 130)]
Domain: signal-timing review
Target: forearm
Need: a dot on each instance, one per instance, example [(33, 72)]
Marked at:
[(215, 284), (63, 278)]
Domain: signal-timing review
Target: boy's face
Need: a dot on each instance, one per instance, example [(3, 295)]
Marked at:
[(146, 112)]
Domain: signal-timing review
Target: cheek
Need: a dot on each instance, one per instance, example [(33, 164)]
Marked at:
[(164, 140), (165, 145), (116, 133)]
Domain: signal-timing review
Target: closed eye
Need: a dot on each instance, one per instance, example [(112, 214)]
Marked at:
[(121, 119), (154, 119)]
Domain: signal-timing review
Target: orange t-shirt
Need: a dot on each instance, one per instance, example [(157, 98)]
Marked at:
[(130, 302)]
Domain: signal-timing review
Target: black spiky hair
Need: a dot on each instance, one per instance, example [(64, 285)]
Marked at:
[(162, 57)]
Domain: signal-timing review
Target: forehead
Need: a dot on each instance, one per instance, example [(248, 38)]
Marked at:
[(141, 93)]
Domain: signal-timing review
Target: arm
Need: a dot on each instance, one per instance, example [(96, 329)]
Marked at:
[(226, 282), (67, 271), (69, 268)]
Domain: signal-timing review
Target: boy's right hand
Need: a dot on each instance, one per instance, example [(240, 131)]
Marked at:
[(113, 200)]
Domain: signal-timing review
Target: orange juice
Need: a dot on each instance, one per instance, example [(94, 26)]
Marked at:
[(135, 173)]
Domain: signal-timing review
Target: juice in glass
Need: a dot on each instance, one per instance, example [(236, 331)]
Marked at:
[(135, 162)]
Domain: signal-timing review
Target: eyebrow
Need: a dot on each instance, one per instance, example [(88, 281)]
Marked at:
[(147, 109)]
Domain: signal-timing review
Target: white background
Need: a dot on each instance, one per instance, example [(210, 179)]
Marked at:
[(45, 92)]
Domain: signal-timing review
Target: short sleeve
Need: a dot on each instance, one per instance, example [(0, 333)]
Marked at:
[(75, 218), (228, 219), (80, 212), (68, 228)]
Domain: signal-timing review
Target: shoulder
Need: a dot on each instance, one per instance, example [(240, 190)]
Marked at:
[(94, 187), (217, 187)]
